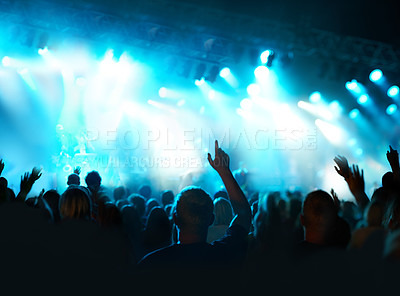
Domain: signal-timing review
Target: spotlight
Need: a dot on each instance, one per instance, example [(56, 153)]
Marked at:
[(199, 82), (253, 89), (225, 72), (162, 92), (315, 97), (363, 99), (6, 61), (375, 75), (353, 86), (391, 109), (261, 72), (393, 91), (354, 113), (265, 55), (43, 51)]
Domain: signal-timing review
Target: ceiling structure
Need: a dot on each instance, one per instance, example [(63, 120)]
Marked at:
[(208, 30)]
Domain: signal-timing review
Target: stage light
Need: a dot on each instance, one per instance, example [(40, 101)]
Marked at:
[(253, 89), (354, 113), (162, 92), (265, 55), (393, 91), (315, 97), (199, 82), (353, 86), (6, 61), (261, 72), (43, 51), (225, 72), (375, 75), (331, 132), (391, 109), (246, 104), (316, 110), (363, 99)]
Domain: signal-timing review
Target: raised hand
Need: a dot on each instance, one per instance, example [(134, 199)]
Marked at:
[(1, 166), (393, 158), (238, 200), (335, 199), (77, 170), (221, 160), (342, 167), (35, 175), (26, 184), (356, 185)]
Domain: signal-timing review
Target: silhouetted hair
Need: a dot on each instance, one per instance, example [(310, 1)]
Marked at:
[(139, 203), (193, 207), (119, 193), (93, 179), (167, 197), (75, 204), (73, 179), (223, 211), (145, 191)]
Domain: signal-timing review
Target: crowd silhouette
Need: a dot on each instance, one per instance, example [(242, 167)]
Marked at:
[(91, 239)]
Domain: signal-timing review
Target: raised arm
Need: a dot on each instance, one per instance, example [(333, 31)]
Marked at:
[(1, 166), (393, 158), (27, 181), (239, 202), (354, 179)]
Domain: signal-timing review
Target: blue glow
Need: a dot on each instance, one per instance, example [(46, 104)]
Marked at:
[(211, 94), (253, 89), (363, 99), (6, 61), (246, 104), (315, 97), (375, 75), (26, 76), (352, 142), (265, 55), (391, 109), (353, 86), (225, 72), (393, 91), (261, 72), (162, 92), (354, 113), (43, 51), (359, 152), (200, 82)]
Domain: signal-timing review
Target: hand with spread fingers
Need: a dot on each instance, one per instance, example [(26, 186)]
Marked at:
[(342, 167)]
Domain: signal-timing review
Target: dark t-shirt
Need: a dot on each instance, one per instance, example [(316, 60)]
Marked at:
[(197, 263), (229, 250)]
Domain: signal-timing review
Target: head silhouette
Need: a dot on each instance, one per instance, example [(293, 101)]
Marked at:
[(93, 181), (193, 210)]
